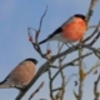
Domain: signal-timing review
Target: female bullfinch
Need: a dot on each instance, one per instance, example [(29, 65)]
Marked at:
[(21, 76)]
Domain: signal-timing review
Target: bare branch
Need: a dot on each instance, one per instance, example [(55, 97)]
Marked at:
[(36, 91), (51, 85), (41, 21), (91, 9), (42, 99), (70, 77), (76, 95), (93, 26), (31, 28), (61, 92), (96, 92), (94, 33), (93, 68), (37, 32), (71, 63), (95, 39), (80, 74), (67, 81), (57, 89)]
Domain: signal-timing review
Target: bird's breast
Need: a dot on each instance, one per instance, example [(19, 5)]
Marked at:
[(74, 31), (23, 74)]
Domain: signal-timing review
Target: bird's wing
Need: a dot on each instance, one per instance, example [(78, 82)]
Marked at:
[(70, 20), (4, 83), (59, 30)]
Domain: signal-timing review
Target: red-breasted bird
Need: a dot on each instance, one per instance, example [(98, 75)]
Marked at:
[(21, 76), (71, 31)]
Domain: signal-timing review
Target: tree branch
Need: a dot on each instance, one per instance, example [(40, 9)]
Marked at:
[(36, 91), (96, 92)]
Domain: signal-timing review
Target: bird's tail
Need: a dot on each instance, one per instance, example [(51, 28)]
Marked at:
[(43, 41), (3, 85)]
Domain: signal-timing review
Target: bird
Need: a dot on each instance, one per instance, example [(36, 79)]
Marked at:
[(70, 31), (21, 76)]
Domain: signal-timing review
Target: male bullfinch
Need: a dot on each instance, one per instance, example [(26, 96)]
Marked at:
[(71, 31), (21, 76)]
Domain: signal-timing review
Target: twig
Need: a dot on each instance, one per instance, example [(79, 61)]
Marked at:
[(96, 92), (56, 89), (36, 91), (31, 28), (71, 63), (76, 95), (95, 39), (94, 67), (67, 81), (96, 51), (70, 77), (93, 26), (34, 43), (51, 85), (40, 25), (80, 70), (37, 32), (42, 99), (63, 84), (91, 9), (95, 31)]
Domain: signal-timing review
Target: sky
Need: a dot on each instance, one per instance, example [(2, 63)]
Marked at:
[(15, 17)]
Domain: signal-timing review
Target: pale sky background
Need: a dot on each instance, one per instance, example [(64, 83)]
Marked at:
[(15, 17)]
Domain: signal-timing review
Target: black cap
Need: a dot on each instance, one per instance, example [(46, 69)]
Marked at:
[(81, 16), (32, 59)]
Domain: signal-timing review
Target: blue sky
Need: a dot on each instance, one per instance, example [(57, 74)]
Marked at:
[(15, 17)]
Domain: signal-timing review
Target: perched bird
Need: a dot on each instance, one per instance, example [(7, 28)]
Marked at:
[(71, 31), (21, 76)]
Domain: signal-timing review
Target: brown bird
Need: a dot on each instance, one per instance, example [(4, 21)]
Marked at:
[(21, 76)]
